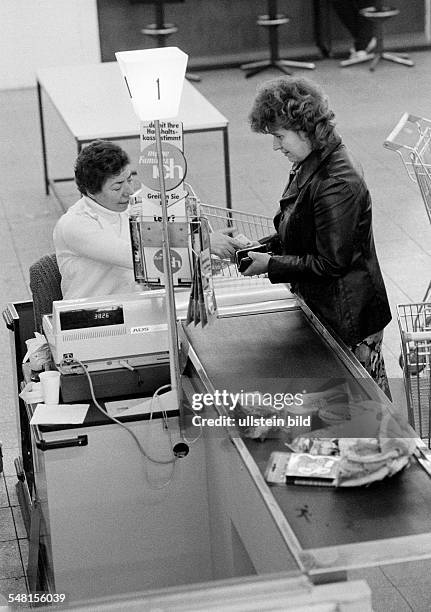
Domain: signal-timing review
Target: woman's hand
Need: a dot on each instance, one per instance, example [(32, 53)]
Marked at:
[(223, 245), (259, 264)]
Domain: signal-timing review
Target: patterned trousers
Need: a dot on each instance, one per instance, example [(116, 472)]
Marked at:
[(369, 354)]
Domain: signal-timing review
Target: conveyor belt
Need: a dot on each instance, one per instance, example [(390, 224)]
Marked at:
[(395, 507), (284, 349)]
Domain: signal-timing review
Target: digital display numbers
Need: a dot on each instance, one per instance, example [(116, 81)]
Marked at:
[(91, 317)]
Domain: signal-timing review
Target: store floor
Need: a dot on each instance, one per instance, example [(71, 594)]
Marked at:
[(367, 106)]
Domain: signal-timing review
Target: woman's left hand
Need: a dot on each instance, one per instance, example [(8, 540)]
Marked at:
[(259, 264)]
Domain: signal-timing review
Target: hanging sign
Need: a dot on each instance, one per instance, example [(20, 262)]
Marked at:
[(154, 79), (174, 164), (170, 131)]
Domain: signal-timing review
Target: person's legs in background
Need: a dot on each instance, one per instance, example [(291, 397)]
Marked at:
[(369, 354), (365, 40), (361, 29)]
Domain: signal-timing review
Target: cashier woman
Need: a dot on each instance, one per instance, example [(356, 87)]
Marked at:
[(323, 245), (91, 239)]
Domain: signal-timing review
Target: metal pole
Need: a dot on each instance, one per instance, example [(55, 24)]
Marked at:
[(169, 284), (42, 135), (273, 31)]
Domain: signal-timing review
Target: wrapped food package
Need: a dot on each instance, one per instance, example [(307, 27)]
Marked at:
[(290, 420), (315, 446), (38, 352), (366, 460)]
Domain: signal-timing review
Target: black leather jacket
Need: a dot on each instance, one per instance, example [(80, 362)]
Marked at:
[(324, 245)]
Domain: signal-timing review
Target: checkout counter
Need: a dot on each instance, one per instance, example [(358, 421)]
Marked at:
[(327, 530), (113, 522)]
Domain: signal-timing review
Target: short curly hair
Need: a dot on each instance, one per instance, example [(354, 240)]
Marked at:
[(96, 163), (293, 103)]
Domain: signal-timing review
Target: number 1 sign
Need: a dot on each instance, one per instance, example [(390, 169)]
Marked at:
[(154, 79)]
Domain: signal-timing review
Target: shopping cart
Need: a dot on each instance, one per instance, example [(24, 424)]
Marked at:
[(414, 321), (217, 280), (248, 225), (411, 140)]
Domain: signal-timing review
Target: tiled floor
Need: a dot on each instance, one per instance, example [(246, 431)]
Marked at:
[(13, 540), (367, 107)]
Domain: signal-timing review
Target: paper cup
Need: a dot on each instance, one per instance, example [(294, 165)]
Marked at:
[(50, 386)]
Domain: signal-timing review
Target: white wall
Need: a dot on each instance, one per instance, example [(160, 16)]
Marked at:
[(40, 33)]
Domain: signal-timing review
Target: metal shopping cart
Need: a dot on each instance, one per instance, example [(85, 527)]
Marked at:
[(411, 140), (217, 283), (248, 225), (252, 225), (414, 321)]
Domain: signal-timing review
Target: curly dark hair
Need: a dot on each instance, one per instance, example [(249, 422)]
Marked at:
[(293, 103), (97, 162)]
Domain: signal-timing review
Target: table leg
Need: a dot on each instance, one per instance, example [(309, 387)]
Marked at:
[(227, 168), (42, 134), (428, 19)]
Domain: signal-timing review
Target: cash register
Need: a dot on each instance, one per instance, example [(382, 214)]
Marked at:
[(122, 340)]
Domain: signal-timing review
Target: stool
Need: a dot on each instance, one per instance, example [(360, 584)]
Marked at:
[(378, 15), (161, 30), (272, 21)]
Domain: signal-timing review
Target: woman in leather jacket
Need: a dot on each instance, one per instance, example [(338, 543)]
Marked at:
[(324, 244)]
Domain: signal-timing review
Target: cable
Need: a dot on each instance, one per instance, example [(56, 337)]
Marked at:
[(126, 365), (139, 445), (199, 434), (165, 420)]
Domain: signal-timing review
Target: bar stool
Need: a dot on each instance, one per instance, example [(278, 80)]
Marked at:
[(160, 30), (272, 21), (378, 15)]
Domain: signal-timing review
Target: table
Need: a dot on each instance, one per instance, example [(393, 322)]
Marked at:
[(93, 103)]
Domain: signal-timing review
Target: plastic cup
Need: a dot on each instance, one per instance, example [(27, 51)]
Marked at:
[(50, 386)]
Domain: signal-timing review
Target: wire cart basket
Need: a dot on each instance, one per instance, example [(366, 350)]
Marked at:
[(414, 321), (248, 226), (215, 276), (411, 140)]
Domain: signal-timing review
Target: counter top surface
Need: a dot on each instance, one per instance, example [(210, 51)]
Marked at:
[(322, 516), (278, 347), (284, 348)]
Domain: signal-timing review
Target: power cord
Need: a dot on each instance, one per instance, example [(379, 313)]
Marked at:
[(127, 365), (196, 438), (166, 425), (139, 445)]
